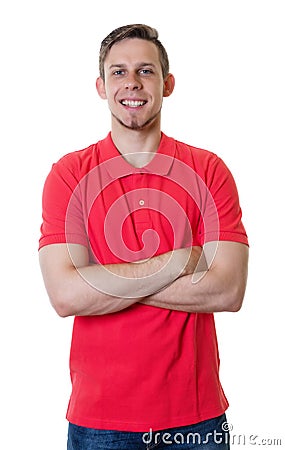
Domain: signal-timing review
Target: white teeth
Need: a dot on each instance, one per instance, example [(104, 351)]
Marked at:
[(133, 103)]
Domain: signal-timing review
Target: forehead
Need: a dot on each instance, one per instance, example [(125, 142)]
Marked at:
[(132, 50)]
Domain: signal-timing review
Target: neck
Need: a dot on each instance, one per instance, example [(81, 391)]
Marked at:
[(138, 147)]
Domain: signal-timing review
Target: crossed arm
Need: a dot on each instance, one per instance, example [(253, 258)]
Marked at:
[(166, 281)]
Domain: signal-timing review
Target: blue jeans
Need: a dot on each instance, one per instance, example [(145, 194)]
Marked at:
[(208, 435)]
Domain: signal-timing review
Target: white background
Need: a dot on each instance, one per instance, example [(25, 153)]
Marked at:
[(228, 59)]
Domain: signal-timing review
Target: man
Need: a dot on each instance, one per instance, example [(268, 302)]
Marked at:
[(142, 241)]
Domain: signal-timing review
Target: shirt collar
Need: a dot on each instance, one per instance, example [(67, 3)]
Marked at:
[(118, 167)]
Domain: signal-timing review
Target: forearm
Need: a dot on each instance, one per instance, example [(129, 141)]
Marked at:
[(78, 288), (78, 296), (106, 289), (219, 288), (117, 286), (207, 296)]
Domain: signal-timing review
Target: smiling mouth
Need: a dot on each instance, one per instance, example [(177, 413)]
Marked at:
[(133, 103)]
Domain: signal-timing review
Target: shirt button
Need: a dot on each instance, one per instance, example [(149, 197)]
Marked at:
[(141, 202)]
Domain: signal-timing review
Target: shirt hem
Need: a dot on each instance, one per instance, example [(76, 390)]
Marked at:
[(144, 427), (62, 239)]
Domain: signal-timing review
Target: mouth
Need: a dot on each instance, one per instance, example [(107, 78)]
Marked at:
[(133, 103)]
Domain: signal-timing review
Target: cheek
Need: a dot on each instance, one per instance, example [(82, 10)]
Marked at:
[(158, 97), (111, 92)]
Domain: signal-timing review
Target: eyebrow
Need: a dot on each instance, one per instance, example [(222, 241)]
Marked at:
[(122, 66)]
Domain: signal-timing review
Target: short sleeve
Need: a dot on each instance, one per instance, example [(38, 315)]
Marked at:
[(61, 223), (222, 189)]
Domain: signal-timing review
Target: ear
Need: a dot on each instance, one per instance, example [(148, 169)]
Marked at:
[(100, 86), (169, 83)]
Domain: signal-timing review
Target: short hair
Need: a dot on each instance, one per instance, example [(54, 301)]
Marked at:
[(138, 31)]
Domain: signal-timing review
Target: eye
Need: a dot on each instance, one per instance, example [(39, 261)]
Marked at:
[(146, 71), (119, 72)]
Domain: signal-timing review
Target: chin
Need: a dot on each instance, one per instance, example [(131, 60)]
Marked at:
[(135, 125)]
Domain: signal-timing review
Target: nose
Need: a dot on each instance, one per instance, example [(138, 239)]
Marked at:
[(132, 82)]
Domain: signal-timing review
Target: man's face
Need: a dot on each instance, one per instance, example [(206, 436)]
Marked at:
[(134, 84)]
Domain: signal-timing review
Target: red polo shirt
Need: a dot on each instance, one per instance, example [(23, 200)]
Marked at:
[(143, 367)]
